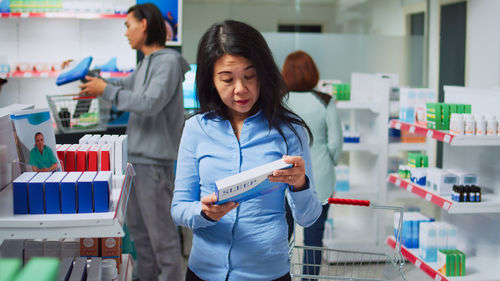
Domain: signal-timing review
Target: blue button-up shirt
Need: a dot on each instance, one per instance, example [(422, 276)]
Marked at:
[(250, 242)]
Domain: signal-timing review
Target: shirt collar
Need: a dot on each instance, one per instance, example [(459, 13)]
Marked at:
[(212, 116)]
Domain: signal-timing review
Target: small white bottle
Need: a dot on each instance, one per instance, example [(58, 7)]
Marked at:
[(491, 125), (470, 125), (480, 125), (459, 127)]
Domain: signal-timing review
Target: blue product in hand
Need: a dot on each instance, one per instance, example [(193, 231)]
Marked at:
[(109, 66), (76, 73)]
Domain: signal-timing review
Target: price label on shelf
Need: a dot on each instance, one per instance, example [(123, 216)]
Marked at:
[(28, 74), (398, 182), (44, 74), (430, 133), (446, 205), (25, 15), (447, 138), (398, 126), (412, 129), (438, 277), (428, 197), (409, 188), (418, 263)]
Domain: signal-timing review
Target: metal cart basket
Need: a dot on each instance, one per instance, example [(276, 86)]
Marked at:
[(74, 113), (350, 265)]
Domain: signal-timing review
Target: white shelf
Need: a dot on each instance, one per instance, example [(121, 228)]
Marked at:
[(445, 136), (357, 191), (374, 107), (395, 147), (489, 203), (62, 15), (476, 268), (56, 226), (360, 147)]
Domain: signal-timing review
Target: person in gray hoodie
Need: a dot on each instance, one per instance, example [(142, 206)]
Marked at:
[(153, 96)]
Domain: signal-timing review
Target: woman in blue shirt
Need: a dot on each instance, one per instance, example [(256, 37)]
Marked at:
[(242, 123)]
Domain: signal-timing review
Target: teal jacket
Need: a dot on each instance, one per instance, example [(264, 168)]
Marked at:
[(324, 122)]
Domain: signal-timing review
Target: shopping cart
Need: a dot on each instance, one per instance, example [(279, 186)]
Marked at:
[(74, 113), (350, 265)]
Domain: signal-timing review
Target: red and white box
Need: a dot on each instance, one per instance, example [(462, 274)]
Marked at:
[(106, 157), (61, 154), (81, 157), (71, 158), (93, 158)]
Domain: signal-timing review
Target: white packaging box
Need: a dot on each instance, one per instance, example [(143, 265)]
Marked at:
[(103, 140), (71, 158), (69, 193), (84, 139), (20, 192), (451, 236), (53, 193), (121, 154), (443, 181), (465, 178), (94, 139), (103, 183), (442, 233), (106, 157), (428, 241), (84, 188)]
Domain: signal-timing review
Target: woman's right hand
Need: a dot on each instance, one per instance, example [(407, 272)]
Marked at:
[(213, 211)]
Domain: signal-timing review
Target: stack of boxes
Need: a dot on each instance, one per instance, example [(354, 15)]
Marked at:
[(61, 192), (95, 153), (439, 114), (342, 92), (418, 163)]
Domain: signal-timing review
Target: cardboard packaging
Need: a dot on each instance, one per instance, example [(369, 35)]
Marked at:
[(20, 192), (36, 193), (53, 193), (93, 158), (81, 157), (103, 183), (84, 188), (61, 154), (71, 158), (68, 193), (89, 247)]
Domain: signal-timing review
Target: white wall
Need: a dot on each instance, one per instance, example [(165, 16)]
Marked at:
[(483, 43)]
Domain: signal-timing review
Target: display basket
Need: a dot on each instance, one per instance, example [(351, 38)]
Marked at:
[(349, 265), (75, 113)]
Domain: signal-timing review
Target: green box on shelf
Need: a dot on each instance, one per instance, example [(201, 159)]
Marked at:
[(434, 115), (414, 160), (445, 116), (453, 108), (342, 91), (9, 269), (39, 269), (468, 108), (461, 108)]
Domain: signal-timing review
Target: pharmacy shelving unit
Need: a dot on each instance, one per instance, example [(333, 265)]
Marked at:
[(54, 74), (366, 113), (62, 15), (478, 224), (57, 226), (47, 38)]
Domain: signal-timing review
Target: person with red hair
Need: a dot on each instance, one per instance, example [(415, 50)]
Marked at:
[(319, 112)]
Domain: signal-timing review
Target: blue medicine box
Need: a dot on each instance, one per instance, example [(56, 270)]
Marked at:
[(36, 193), (85, 199), (53, 193), (103, 183), (68, 192), (20, 192)]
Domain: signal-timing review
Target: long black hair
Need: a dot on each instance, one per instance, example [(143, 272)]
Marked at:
[(156, 30), (240, 39)]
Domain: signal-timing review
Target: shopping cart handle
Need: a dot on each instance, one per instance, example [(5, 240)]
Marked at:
[(343, 201)]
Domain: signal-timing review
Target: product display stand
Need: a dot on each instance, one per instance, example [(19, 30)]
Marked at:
[(366, 113), (56, 226), (477, 223)]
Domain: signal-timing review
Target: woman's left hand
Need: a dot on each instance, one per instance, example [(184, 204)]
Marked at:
[(295, 176)]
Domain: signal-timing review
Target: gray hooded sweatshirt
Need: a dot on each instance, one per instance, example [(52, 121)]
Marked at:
[(153, 96)]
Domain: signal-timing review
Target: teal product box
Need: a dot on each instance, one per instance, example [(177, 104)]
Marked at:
[(68, 193), (103, 183), (39, 269), (84, 190), (9, 269), (53, 193), (36, 193), (20, 192)]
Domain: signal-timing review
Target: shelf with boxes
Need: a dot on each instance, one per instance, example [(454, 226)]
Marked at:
[(477, 267), (105, 224), (446, 136), (62, 15), (54, 74), (489, 203)]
